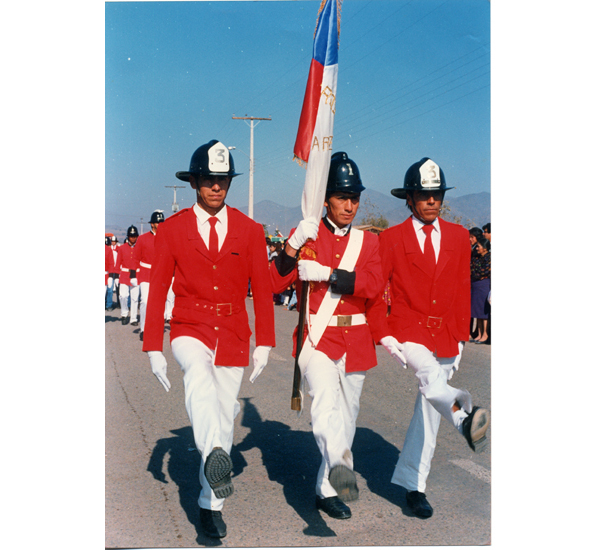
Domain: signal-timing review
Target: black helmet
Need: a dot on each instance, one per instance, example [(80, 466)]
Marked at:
[(157, 217), (343, 176), (132, 231), (424, 175), (210, 159)]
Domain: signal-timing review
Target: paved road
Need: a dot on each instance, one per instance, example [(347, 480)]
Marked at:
[(152, 466)]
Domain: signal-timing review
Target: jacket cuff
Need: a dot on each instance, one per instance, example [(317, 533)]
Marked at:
[(285, 264), (345, 282)]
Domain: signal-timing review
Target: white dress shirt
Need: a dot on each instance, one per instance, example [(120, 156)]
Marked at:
[(436, 235), (340, 232), (204, 226)]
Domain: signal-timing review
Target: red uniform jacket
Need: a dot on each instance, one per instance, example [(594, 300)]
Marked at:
[(107, 262), (210, 295), (432, 309), (126, 263), (144, 254), (355, 341), (112, 259)]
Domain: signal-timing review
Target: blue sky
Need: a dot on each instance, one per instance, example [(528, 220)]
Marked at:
[(414, 81)]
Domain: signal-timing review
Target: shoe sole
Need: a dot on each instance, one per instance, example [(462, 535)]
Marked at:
[(343, 480), (479, 426), (218, 473)]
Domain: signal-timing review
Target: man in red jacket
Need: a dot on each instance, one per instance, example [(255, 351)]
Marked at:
[(113, 273), (344, 270), (427, 263), (212, 250), (129, 291), (144, 252)]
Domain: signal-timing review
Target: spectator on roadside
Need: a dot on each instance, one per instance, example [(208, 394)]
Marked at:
[(474, 234), (487, 231), (480, 288)]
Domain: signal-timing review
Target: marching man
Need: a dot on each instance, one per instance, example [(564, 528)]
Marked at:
[(344, 271), (212, 250), (144, 252), (113, 271), (128, 286), (427, 262)]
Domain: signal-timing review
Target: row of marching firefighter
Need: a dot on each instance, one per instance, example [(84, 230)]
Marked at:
[(127, 274)]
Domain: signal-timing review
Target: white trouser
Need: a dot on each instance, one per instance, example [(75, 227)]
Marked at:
[(211, 402), (124, 292), (144, 291), (170, 303), (434, 400), (335, 405)]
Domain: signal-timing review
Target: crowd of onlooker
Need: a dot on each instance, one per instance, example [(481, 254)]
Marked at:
[(287, 298)]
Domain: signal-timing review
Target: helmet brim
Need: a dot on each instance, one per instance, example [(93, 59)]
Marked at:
[(401, 192), (185, 176)]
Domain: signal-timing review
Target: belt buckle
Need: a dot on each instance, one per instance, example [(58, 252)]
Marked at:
[(344, 320), (434, 322), (223, 314)]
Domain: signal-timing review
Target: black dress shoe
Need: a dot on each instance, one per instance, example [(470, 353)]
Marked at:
[(334, 507), (134, 324), (142, 336), (212, 524), (124, 320), (418, 504), (217, 470), (343, 480), (474, 428)]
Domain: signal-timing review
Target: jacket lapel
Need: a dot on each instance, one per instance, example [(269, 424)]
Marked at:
[(194, 235), (446, 249), (414, 253), (233, 233)]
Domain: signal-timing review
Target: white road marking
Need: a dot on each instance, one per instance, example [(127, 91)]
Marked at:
[(474, 469)]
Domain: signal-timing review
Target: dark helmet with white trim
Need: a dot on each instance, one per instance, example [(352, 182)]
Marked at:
[(157, 217), (424, 175), (210, 159), (132, 231), (344, 176)]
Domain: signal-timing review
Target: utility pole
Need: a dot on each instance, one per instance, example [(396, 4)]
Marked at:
[(251, 175), (175, 206)]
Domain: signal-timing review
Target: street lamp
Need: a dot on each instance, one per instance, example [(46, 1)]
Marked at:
[(250, 184)]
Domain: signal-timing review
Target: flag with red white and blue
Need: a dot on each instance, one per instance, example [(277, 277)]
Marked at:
[(313, 145)]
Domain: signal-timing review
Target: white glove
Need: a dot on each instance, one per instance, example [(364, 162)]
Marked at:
[(259, 358), (454, 368), (307, 229), (464, 399), (309, 270), (159, 367), (395, 348), (133, 282)]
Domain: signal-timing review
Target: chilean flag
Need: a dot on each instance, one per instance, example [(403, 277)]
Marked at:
[(313, 145)]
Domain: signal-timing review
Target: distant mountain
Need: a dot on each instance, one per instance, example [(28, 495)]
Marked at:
[(472, 210)]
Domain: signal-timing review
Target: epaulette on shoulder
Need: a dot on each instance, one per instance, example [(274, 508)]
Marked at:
[(177, 214)]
